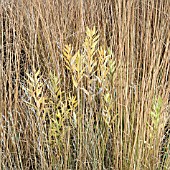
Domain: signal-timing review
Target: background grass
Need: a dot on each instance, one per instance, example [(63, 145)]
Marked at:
[(99, 103)]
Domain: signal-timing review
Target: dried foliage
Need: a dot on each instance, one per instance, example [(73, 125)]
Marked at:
[(84, 84)]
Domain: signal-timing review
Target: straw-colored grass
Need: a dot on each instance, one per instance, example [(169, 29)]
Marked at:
[(84, 84)]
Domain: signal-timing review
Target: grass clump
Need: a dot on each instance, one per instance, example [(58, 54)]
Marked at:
[(84, 85)]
